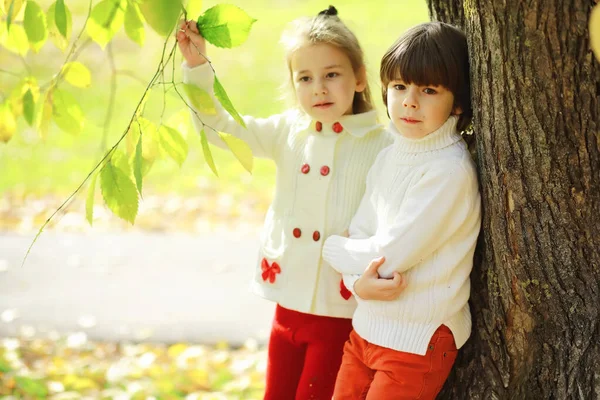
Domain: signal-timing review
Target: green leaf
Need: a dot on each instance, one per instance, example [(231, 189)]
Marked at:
[(28, 107), (89, 201), (66, 112), (16, 41), (150, 141), (221, 95), (106, 19), (44, 115), (194, 7), (239, 148), (35, 388), (200, 99), (225, 25), (59, 40), (173, 143), (13, 7), (77, 74), (4, 367), (207, 153), (137, 166), (161, 15), (119, 192), (60, 17), (36, 26), (134, 24), (8, 125), (595, 31)]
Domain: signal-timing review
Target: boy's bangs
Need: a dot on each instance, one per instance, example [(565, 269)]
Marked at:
[(420, 64)]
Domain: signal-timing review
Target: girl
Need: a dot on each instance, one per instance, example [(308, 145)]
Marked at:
[(323, 151), (421, 211)]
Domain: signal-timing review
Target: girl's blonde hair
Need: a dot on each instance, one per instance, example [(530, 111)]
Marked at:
[(327, 28)]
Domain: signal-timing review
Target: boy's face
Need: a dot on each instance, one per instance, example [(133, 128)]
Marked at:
[(324, 81), (417, 111)]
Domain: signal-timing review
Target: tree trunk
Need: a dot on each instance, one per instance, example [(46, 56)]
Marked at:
[(536, 282)]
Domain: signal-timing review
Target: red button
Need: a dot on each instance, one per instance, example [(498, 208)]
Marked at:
[(316, 236), (297, 232), (337, 127), (318, 126), (324, 170), (305, 168)]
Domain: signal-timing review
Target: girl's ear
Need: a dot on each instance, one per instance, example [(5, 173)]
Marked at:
[(361, 79)]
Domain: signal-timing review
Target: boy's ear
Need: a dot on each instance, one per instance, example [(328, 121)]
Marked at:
[(361, 79)]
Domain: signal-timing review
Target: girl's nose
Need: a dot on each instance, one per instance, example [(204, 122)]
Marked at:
[(320, 88)]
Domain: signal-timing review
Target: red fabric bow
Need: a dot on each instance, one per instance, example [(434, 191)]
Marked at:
[(269, 272), (346, 294)]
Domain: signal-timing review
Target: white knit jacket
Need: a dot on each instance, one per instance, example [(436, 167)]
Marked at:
[(319, 184), (422, 211)]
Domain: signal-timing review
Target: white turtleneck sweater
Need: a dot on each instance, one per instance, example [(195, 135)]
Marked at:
[(422, 211)]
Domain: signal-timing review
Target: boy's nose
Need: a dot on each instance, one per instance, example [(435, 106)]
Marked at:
[(410, 102)]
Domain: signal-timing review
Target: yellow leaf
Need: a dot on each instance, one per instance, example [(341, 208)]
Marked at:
[(13, 7), (595, 31), (194, 8), (240, 150), (8, 125), (176, 349), (77, 74), (44, 116), (16, 40)]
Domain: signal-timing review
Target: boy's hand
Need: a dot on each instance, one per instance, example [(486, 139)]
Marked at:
[(191, 44), (371, 287)]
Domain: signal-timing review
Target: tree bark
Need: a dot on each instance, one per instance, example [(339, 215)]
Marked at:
[(536, 282)]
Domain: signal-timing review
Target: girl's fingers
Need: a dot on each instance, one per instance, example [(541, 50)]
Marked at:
[(192, 26)]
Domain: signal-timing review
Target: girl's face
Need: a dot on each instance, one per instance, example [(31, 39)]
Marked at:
[(417, 111), (325, 82)]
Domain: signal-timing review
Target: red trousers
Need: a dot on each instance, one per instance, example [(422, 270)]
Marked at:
[(373, 372), (305, 352)]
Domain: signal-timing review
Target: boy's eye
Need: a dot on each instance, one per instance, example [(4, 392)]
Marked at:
[(429, 91), (399, 86), (332, 75)]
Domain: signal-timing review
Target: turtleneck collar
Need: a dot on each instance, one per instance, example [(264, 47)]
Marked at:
[(444, 136)]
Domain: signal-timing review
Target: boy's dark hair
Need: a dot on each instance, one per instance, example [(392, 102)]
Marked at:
[(433, 53)]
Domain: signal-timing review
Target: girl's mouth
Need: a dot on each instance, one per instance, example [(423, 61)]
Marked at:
[(323, 106)]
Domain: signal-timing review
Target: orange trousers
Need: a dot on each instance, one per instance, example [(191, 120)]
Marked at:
[(373, 372)]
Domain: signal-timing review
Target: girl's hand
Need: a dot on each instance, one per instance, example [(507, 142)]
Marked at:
[(191, 44), (371, 287)]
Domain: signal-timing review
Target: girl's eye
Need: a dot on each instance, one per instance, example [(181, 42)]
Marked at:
[(332, 74), (429, 91), (304, 79)]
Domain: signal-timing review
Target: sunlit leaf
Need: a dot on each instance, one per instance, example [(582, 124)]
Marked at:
[(35, 388), (595, 31), (89, 202), (193, 8), (77, 74), (28, 107), (12, 8), (120, 160), (16, 41), (44, 115), (134, 24), (207, 153), (119, 192), (221, 95), (4, 366), (225, 25), (161, 15), (138, 165), (200, 99), (8, 125), (106, 19), (240, 150), (173, 143), (61, 18), (35, 25), (150, 140), (16, 95), (59, 40), (66, 112)]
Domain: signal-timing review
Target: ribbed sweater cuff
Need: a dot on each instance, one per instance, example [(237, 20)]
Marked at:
[(333, 251), (201, 75)]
